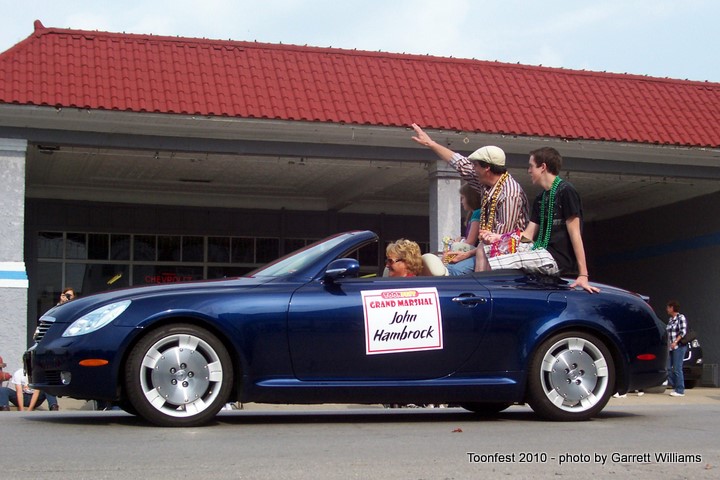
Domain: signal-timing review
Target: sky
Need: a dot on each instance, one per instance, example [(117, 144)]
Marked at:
[(660, 38)]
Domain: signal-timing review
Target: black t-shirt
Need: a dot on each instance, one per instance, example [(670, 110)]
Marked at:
[(567, 205)]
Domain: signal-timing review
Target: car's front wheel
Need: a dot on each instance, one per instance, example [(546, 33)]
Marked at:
[(572, 376), (178, 376)]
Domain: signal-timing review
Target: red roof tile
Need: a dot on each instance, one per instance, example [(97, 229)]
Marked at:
[(145, 73)]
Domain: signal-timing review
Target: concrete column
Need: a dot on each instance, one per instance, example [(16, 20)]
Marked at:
[(444, 203), (13, 276)]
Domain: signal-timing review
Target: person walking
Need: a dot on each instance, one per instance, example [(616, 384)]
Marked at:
[(676, 330)]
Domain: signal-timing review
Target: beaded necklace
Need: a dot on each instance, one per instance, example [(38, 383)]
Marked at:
[(488, 221), (547, 210)]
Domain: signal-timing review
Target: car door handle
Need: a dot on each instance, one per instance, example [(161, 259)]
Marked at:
[(469, 300)]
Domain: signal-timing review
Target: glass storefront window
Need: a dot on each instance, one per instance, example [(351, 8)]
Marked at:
[(50, 244), (267, 249), (97, 262), (160, 274), (88, 278), (168, 248), (115, 276), (227, 272), (76, 246), (193, 249), (98, 246), (144, 248), (48, 286), (243, 250), (218, 250), (75, 277), (119, 247), (292, 244)]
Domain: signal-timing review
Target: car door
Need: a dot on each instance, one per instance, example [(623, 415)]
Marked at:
[(352, 329)]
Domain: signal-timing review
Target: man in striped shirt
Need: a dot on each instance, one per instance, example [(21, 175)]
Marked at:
[(504, 206)]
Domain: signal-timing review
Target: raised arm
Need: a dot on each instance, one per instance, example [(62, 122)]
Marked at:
[(424, 139)]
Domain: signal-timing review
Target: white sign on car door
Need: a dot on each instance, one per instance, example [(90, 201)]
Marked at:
[(402, 320)]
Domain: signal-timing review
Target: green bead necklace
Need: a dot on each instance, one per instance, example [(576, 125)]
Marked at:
[(547, 210)]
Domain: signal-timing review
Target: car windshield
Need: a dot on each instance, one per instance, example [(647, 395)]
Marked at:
[(298, 259)]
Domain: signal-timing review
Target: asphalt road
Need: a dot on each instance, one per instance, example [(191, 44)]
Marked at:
[(653, 436)]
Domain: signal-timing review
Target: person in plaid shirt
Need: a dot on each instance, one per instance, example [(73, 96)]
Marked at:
[(676, 329)]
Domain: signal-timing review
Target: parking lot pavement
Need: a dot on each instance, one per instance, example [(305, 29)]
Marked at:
[(693, 396)]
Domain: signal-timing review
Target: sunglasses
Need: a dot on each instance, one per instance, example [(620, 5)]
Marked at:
[(390, 261)]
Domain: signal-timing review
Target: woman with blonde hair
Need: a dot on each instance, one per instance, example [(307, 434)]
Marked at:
[(403, 259)]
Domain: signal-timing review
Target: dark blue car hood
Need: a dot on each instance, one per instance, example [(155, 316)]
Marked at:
[(72, 310)]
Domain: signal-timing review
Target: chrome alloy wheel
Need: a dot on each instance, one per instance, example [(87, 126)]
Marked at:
[(181, 375), (574, 374)]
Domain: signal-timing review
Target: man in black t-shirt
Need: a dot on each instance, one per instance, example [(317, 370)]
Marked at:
[(567, 206)]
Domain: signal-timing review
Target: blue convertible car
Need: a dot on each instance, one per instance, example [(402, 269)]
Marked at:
[(320, 326)]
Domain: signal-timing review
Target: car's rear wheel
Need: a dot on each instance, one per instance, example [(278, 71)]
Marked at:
[(485, 409), (178, 375), (572, 376)]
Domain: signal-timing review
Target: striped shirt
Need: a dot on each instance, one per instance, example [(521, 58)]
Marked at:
[(512, 211), (676, 327)]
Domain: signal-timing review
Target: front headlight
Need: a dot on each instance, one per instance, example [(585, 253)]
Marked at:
[(96, 319)]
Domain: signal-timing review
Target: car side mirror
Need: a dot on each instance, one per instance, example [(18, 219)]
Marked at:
[(341, 268)]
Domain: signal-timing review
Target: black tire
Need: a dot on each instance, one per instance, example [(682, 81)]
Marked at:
[(178, 376), (127, 407), (485, 409), (571, 377), (690, 384)]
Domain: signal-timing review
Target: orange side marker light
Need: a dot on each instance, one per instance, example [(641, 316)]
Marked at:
[(93, 362)]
